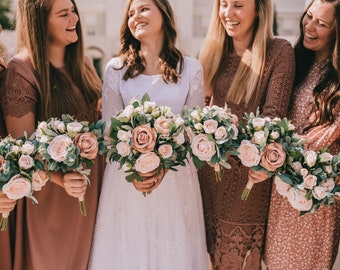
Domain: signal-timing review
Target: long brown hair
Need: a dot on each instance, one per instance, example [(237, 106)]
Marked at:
[(218, 46), (57, 95), (170, 56), (327, 92)]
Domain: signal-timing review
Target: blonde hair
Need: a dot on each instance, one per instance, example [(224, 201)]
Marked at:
[(218, 46)]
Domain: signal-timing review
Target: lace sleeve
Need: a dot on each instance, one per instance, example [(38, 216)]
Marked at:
[(19, 96), (112, 99), (196, 86)]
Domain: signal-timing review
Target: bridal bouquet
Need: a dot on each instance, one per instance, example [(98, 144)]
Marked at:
[(212, 132), (309, 179), (21, 171), (146, 139), (265, 143), (66, 144)]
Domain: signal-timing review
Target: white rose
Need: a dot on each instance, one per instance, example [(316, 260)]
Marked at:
[(248, 154), (59, 125), (325, 157), (165, 150), (319, 193), (297, 166), (202, 147), (27, 148), (210, 126), (26, 162), (309, 181), (258, 123), (274, 135), (147, 162), (15, 149), (195, 116), (329, 184), (179, 139), (124, 136), (162, 126), (126, 113), (221, 133), (281, 187), (156, 112), (298, 200), (39, 179), (179, 122), (58, 147), (123, 149), (304, 172), (17, 187), (74, 127), (310, 157), (198, 126), (41, 129), (259, 137)]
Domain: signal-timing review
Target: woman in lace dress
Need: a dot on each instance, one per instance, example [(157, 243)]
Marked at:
[(48, 77), (249, 69), (310, 242), (164, 230)]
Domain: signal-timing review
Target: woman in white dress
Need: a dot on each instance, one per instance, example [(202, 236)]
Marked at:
[(164, 230)]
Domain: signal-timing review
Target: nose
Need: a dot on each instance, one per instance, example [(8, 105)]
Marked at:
[(310, 25), (75, 17), (227, 11)]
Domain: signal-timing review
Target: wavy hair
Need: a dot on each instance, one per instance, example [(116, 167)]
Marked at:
[(327, 91), (169, 57), (33, 36), (218, 46)]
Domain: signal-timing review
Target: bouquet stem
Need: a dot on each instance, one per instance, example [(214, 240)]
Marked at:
[(246, 191), (4, 221), (218, 172), (82, 206)]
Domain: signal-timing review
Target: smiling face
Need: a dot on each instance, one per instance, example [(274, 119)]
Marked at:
[(319, 28), (238, 18), (62, 22), (145, 20)]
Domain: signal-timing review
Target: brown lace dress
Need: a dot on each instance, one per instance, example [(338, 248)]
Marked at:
[(52, 235), (309, 242), (235, 228)]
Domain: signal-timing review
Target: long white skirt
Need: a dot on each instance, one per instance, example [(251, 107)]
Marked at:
[(162, 231)]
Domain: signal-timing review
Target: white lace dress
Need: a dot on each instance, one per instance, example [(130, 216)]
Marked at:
[(164, 230)]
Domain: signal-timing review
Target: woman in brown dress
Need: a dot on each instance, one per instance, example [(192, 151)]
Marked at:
[(245, 66), (310, 242), (48, 77), (6, 204)]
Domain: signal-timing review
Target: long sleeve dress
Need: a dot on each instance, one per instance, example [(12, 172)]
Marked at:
[(235, 228), (308, 242), (51, 235), (164, 230)]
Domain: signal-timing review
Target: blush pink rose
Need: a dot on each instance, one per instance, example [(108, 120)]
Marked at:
[(319, 193), (309, 181), (17, 187), (88, 144), (25, 162), (162, 126), (210, 126), (298, 200), (273, 157), (144, 138), (165, 150), (39, 179), (123, 149), (248, 154), (281, 187), (202, 147), (147, 162), (58, 147)]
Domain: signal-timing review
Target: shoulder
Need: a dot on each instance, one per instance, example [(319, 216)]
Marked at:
[(20, 63), (115, 63), (279, 44), (191, 65)]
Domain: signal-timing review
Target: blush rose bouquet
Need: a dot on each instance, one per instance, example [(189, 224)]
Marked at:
[(21, 171), (212, 132), (146, 139), (265, 144), (309, 179), (68, 145)]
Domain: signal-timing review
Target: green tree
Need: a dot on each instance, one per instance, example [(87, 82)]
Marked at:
[(275, 26), (5, 14)]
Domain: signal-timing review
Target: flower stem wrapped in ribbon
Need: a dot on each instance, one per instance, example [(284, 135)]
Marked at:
[(264, 144), (147, 138), (212, 132), (69, 145), (21, 171)]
